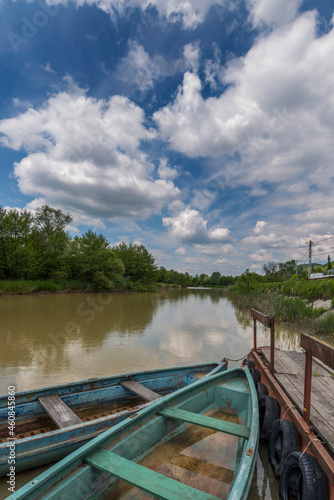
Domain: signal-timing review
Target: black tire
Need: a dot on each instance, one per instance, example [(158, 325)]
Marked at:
[(302, 477), (269, 412), (261, 390), (250, 363), (255, 374), (283, 439)]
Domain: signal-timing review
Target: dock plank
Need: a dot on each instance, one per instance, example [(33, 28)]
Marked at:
[(60, 413), (140, 390), (289, 372)]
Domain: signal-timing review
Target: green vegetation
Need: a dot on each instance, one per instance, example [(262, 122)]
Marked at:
[(37, 254), (290, 299)]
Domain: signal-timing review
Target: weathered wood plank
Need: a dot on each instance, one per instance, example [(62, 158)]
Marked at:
[(60, 413), (290, 375), (208, 422), (151, 482), (263, 318), (318, 348), (140, 390)]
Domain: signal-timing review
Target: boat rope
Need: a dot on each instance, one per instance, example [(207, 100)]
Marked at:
[(288, 407), (235, 360)]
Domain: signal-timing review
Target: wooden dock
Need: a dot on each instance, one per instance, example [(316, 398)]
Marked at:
[(289, 372)]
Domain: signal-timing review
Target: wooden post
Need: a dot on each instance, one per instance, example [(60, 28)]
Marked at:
[(272, 345), (254, 331), (307, 387)]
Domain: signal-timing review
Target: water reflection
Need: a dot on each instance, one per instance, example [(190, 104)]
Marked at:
[(53, 339), (50, 339)]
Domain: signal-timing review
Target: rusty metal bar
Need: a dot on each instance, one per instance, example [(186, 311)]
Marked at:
[(265, 320), (254, 334), (272, 345), (318, 348), (307, 387), (325, 460)]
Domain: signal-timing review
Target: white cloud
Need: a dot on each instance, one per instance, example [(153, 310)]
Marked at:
[(273, 13), (260, 225), (84, 155), (189, 13), (191, 53), (141, 70), (189, 226), (181, 251), (276, 113), (166, 172)]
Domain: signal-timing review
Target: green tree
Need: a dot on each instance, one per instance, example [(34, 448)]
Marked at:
[(49, 241), (215, 278), (15, 229), (329, 264), (138, 262), (247, 280), (92, 259)]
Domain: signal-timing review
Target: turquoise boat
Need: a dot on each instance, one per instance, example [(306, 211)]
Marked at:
[(54, 421), (199, 443)]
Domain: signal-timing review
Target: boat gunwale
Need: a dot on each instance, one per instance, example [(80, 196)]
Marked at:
[(32, 395), (247, 461)]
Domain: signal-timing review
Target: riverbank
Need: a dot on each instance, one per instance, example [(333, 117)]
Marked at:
[(29, 287), (294, 311)]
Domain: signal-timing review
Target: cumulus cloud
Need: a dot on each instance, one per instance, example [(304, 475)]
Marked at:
[(84, 154), (166, 172), (191, 53), (141, 70), (189, 226), (273, 13), (275, 116)]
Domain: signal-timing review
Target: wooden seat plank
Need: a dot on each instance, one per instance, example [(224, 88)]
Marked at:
[(208, 422), (140, 390), (151, 482), (60, 413)]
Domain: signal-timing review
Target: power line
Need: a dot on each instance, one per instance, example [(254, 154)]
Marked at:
[(325, 239)]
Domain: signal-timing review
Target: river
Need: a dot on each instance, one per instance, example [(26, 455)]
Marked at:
[(53, 339)]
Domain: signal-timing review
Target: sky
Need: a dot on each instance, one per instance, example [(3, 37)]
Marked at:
[(201, 129)]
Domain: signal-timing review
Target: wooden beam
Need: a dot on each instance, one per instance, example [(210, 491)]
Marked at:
[(151, 482), (208, 422), (318, 348), (263, 318), (140, 390), (60, 413)]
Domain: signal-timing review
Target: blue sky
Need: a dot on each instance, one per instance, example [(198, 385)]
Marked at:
[(203, 130)]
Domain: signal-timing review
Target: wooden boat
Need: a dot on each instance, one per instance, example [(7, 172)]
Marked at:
[(198, 443), (300, 436), (54, 421)]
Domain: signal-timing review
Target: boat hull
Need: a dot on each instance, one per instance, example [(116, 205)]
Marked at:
[(93, 398), (224, 405)]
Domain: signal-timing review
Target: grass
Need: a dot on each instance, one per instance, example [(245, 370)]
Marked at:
[(284, 309), (24, 287)]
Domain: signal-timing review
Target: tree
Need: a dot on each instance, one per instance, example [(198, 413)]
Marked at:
[(246, 280), (49, 241), (138, 262), (329, 264), (15, 229), (93, 260), (215, 278)]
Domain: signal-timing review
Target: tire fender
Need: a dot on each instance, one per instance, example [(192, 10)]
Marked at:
[(303, 475), (269, 412), (283, 439)]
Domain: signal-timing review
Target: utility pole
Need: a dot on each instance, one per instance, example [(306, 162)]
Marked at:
[(309, 258), (297, 268)]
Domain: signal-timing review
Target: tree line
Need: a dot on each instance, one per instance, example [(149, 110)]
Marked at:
[(38, 247)]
